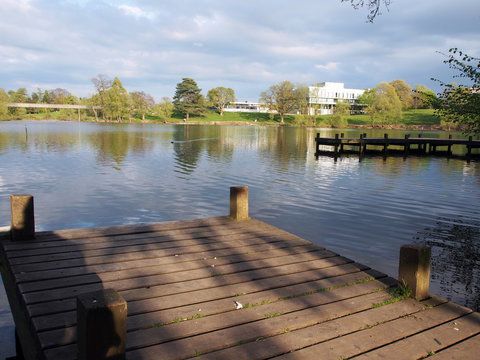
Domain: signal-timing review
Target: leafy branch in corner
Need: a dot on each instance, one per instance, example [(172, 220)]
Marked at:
[(461, 103)]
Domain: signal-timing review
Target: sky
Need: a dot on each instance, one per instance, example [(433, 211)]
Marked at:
[(150, 45)]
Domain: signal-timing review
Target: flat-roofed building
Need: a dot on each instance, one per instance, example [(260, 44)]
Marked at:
[(323, 98), (246, 106)]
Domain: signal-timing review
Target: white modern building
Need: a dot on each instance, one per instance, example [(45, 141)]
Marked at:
[(246, 106), (322, 98)]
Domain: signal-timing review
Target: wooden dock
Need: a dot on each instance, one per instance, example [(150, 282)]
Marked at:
[(403, 146), (219, 288)]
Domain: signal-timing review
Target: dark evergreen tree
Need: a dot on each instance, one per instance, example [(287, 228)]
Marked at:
[(188, 99)]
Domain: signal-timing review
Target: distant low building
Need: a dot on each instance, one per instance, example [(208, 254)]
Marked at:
[(323, 98), (246, 106)]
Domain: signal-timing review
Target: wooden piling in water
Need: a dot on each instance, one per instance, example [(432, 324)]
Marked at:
[(406, 146), (336, 144), (385, 145), (414, 269), (22, 217)]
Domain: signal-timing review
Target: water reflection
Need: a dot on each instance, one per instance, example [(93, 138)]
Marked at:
[(455, 259), (112, 147)]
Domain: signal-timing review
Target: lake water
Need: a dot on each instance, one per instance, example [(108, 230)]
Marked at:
[(85, 175)]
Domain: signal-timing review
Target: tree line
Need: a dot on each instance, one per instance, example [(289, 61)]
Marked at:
[(456, 104)]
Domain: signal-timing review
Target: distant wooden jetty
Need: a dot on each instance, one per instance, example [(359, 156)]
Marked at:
[(218, 288), (404, 146)]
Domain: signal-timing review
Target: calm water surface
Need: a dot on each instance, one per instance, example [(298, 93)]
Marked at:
[(84, 175)]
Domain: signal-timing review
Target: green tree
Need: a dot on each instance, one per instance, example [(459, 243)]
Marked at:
[(142, 103), (383, 104), (188, 99), (280, 98), (19, 96), (387, 105), (424, 98), (4, 114), (118, 101), (59, 95), (340, 114), (102, 85), (367, 97), (461, 103), (165, 109), (301, 95), (219, 97), (404, 92)]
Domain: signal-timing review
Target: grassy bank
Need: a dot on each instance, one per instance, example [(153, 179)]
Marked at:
[(410, 119)]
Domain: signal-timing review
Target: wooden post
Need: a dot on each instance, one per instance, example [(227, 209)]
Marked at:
[(239, 203), (336, 144), (469, 147), (414, 269), (22, 218), (449, 150), (385, 145), (406, 147), (341, 145), (422, 147), (317, 140), (101, 325), (361, 147)]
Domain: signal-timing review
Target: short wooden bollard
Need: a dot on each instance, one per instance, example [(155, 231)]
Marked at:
[(239, 202), (22, 217), (336, 144), (414, 269), (102, 325)]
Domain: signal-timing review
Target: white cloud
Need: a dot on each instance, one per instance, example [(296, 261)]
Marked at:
[(137, 12), (328, 66)]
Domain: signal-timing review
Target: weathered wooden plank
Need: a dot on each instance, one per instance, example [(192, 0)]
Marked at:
[(149, 245), (48, 238), (180, 271), (382, 334), (40, 247), (228, 292), (328, 329), (132, 256), (252, 252), (101, 243), (158, 334), (266, 296), (430, 341), (466, 350), (266, 327), (176, 283)]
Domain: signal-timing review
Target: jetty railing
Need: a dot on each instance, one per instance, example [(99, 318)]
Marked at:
[(420, 143)]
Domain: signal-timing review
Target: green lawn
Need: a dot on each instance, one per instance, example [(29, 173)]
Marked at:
[(409, 118)]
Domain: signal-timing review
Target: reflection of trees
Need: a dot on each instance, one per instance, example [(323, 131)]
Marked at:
[(190, 141), (455, 247), (114, 146), (187, 150), (40, 141), (285, 145)]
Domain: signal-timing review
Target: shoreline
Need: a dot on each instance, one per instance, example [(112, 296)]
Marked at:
[(416, 127)]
